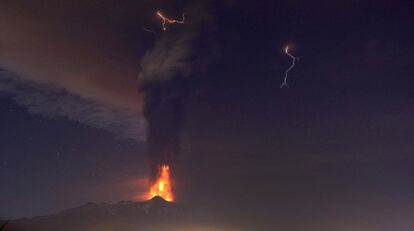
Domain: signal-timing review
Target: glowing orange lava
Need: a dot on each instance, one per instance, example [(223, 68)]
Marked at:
[(163, 185)]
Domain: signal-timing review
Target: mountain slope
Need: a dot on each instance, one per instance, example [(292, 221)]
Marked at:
[(125, 215)]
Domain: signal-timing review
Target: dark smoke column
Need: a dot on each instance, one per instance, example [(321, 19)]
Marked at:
[(165, 81), (164, 110)]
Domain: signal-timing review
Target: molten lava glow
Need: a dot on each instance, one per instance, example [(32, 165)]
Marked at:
[(163, 184)]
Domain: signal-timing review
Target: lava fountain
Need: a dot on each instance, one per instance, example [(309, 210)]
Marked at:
[(162, 187)]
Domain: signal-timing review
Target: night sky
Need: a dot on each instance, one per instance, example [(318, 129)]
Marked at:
[(332, 151)]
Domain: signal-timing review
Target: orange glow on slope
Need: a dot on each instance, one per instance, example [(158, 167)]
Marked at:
[(162, 187)]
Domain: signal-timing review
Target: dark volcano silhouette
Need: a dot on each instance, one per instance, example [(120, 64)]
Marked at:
[(124, 215)]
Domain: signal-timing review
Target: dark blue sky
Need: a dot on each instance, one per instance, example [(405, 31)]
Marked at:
[(334, 147)]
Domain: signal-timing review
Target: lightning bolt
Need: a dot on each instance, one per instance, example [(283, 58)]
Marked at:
[(291, 66), (166, 20)]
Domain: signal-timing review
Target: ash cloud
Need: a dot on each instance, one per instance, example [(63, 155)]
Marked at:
[(68, 61), (58, 102), (166, 82), (58, 61), (43, 48)]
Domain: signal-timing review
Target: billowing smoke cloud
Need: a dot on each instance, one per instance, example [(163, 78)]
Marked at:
[(166, 83), (61, 66)]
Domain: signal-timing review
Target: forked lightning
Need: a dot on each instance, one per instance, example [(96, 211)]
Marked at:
[(166, 20), (291, 66)]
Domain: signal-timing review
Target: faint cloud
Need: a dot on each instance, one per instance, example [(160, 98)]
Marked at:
[(57, 102)]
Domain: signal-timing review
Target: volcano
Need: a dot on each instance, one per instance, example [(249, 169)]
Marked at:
[(124, 215)]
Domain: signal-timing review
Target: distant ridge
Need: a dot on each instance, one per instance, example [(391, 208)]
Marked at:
[(125, 214)]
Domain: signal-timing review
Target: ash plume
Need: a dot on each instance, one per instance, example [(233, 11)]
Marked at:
[(52, 102), (86, 71), (166, 82), (55, 68)]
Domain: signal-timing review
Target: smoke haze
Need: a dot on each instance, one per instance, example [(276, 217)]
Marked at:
[(63, 61)]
